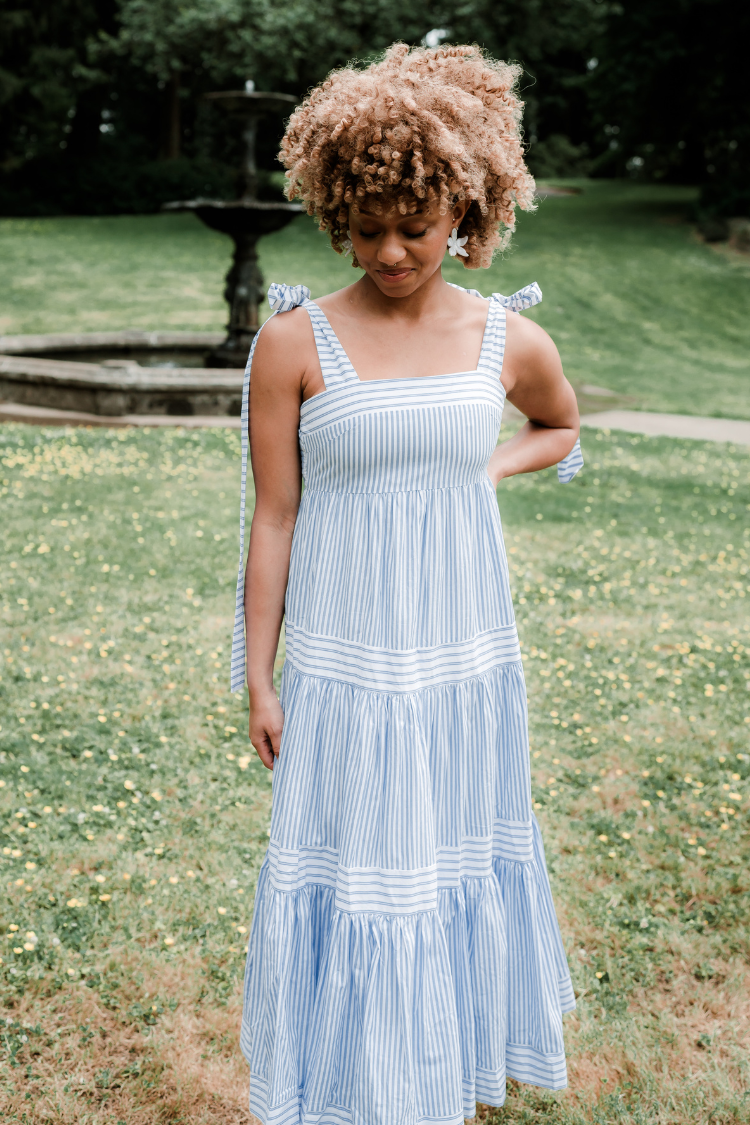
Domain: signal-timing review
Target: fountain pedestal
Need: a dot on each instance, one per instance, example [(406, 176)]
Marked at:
[(245, 220)]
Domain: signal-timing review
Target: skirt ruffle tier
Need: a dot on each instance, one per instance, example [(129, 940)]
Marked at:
[(404, 957)]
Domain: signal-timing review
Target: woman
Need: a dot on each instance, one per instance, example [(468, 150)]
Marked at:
[(404, 954)]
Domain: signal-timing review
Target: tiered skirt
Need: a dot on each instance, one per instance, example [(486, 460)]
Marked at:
[(404, 957)]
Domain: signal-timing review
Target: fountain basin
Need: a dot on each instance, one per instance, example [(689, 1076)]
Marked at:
[(241, 217), (117, 349), (113, 387)]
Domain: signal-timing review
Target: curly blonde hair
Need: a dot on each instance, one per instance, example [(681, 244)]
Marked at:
[(437, 125)]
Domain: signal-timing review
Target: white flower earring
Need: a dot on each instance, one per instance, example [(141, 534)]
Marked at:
[(456, 244), (346, 246)]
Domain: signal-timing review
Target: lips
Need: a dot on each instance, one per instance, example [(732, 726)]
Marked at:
[(393, 276)]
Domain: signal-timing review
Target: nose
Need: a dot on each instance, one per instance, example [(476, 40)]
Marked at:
[(391, 250)]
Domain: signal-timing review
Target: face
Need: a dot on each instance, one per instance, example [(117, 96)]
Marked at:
[(401, 252)]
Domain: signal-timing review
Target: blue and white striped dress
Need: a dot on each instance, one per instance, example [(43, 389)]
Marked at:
[(404, 955)]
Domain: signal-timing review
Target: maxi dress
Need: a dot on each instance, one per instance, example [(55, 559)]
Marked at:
[(404, 956)]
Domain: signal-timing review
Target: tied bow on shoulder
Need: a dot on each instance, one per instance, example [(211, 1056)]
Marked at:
[(283, 298)]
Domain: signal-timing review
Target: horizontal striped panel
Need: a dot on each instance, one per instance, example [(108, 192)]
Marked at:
[(344, 400), (526, 1064), (331, 1115), (292, 1111), (490, 1087), (473, 859), (513, 840), (291, 869), (369, 891), (289, 1112), (392, 670), (365, 889)]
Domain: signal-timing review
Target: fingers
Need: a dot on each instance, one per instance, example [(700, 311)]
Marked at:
[(275, 737), (267, 745), (265, 753)]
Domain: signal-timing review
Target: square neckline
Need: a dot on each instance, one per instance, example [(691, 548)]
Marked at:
[(409, 378)]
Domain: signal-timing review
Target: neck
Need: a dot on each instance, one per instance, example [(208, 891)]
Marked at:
[(368, 298)]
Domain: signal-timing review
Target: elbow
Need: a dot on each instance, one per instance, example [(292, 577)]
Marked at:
[(277, 519)]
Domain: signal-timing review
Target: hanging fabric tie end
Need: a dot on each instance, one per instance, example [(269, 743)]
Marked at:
[(569, 466)]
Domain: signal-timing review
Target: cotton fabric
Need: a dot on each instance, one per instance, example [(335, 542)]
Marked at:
[(404, 956)]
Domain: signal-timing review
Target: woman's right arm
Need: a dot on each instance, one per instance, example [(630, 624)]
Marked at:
[(275, 395)]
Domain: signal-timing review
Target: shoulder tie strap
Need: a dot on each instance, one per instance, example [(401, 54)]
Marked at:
[(523, 299), (335, 364), (281, 298), (526, 298)]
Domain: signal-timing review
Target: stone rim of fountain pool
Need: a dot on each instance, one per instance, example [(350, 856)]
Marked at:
[(32, 375)]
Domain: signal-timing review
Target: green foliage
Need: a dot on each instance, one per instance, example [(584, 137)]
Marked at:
[(651, 90), (165, 37), (553, 42), (44, 73), (107, 185), (669, 99), (557, 158)]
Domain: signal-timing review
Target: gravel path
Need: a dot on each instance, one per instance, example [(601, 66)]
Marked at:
[(671, 425)]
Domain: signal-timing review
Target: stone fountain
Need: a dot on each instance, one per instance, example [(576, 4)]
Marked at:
[(131, 374), (245, 220)]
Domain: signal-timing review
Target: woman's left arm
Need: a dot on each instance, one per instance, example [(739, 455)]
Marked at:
[(535, 384)]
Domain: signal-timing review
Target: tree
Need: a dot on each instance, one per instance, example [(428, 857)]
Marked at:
[(669, 96), (649, 88), (46, 76)]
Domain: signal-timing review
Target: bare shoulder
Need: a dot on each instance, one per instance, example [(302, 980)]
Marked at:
[(284, 332), (526, 338), (530, 353), (284, 351)]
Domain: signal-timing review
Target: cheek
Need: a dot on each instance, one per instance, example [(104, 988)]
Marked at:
[(436, 240)]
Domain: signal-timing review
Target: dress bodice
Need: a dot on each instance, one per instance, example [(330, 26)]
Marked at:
[(395, 437)]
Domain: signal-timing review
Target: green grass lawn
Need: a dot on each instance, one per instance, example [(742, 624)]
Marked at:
[(636, 303), (134, 815)]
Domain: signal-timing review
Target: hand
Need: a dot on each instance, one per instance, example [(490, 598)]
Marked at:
[(266, 725), (496, 468)]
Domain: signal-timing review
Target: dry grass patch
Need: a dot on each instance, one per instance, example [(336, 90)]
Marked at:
[(158, 1048)]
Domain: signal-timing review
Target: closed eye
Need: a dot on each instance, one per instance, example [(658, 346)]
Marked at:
[(408, 233)]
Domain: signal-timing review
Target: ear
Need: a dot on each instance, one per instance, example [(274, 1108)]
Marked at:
[(458, 213)]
